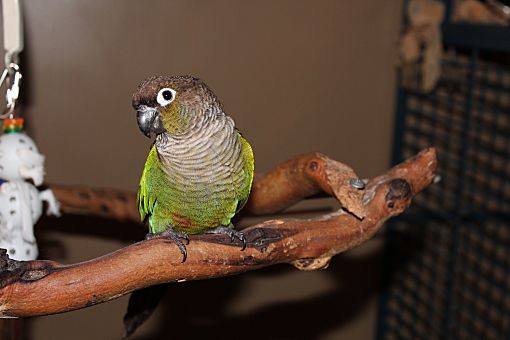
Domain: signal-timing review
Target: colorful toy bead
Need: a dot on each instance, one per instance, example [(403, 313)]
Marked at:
[(13, 125)]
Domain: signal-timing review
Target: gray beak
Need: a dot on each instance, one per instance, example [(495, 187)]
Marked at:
[(149, 121)]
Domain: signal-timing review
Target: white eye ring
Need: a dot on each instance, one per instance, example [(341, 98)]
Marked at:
[(166, 96)]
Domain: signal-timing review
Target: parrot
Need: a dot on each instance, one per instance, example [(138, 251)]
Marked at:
[(199, 170)]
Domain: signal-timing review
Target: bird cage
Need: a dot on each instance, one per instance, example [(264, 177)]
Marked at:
[(447, 261)]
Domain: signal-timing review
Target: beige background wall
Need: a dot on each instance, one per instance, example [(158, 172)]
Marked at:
[(297, 76)]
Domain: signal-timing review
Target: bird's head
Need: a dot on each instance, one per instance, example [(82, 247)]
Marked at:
[(172, 104)]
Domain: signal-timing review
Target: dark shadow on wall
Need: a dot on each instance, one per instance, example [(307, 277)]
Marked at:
[(197, 309)]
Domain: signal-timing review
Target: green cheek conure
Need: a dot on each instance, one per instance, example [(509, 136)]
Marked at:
[(199, 171)]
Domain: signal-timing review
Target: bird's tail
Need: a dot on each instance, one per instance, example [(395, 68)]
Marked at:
[(142, 304)]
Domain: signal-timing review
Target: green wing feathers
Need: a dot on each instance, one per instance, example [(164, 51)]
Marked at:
[(146, 197), (248, 168)]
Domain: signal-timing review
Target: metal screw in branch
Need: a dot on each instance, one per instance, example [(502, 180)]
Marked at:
[(357, 183)]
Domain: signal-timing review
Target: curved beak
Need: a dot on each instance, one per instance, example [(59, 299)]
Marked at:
[(149, 121)]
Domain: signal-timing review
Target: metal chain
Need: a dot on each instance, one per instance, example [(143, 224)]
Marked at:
[(13, 45), (11, 77)]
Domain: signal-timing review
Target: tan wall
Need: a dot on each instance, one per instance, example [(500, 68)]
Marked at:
[(297, 76)]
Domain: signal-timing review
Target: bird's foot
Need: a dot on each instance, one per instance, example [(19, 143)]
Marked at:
[(222, 230), (174, 236)]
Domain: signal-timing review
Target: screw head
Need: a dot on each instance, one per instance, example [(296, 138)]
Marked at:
[(357, 183)]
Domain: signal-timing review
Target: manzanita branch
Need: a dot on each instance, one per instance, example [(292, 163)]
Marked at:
[(45, 287)]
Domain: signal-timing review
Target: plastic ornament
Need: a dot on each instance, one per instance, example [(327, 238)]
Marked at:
[(21, 203)]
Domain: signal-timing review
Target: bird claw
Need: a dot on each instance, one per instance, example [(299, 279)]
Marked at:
[(184, 235), (232, 233), (174, 236)]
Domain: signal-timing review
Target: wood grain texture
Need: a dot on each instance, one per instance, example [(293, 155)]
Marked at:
[(45, 287)]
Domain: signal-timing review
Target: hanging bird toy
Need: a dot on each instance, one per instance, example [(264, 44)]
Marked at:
[(21, 164), (21, 171)]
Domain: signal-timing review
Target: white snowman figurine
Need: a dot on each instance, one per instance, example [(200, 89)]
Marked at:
[(20, 201)]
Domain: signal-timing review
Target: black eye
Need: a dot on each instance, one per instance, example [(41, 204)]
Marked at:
[(168, 95), (165, 96)]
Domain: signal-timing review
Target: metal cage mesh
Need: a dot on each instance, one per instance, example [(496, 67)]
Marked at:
[(447, 264)]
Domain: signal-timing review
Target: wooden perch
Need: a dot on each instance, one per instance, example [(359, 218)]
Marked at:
[(45, 287)]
